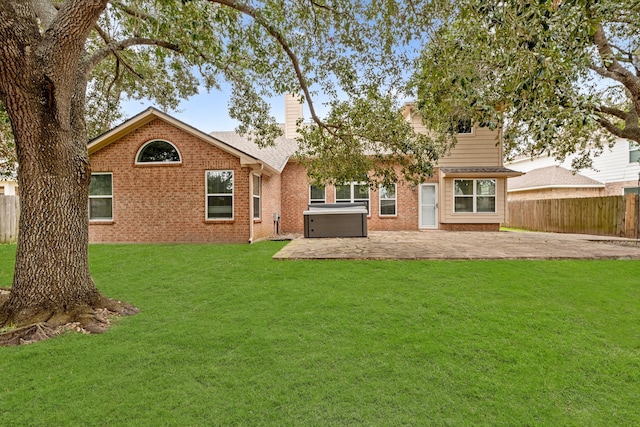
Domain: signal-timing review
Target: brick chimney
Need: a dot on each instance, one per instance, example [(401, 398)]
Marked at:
[(292, 112)]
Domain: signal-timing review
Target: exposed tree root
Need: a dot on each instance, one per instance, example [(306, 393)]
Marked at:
[(89, 320)]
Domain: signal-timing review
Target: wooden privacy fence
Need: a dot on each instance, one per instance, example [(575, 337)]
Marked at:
[(608, 216), (9, 214)]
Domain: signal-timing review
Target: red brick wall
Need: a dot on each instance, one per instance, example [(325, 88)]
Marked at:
[(166, 203), (470, 227), (295, 199), (270, 203)]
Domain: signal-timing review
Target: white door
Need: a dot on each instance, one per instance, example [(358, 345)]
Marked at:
[(428, 201)]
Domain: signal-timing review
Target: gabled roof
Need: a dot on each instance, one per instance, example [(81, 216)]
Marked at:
[(151, 113), (551, 177)]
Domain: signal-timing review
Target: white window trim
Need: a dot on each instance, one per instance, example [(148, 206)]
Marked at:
[(258, 196), (467, 133), (207, 194), (324, 199), (395, 199), (142, 147), (352, 199), (475, 196), (101, 197)]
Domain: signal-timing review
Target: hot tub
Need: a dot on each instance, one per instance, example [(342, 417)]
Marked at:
[(336, 220)]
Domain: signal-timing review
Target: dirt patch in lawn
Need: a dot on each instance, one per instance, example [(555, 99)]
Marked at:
[(101, 319)]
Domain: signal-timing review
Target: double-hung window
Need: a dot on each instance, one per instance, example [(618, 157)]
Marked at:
[(101, 197), (388, 200), (634, 152), (257, 190), (474, 195), (353, 192), (317, 194), (219, 194)]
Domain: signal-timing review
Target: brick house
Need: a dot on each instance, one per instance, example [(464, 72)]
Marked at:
[(157, 179)]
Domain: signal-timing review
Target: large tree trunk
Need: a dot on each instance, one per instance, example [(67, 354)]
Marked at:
[(42, 85), (52, 270)]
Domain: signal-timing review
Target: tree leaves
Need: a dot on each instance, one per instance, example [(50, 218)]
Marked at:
[(528, 66)]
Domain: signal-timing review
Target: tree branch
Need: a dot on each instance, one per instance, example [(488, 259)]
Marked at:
[(134, 12), (115, 47), (68, 32), (612, 111), (279, 37), (612, 68), (627, 133)]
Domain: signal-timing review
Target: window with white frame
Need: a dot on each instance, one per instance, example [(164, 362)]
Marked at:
[(353, 192), (317, 194), (474, 195), (465, 126), (634, 152), (257, 190), (158, 151), (219, 194), (388, 200), (101, 197)]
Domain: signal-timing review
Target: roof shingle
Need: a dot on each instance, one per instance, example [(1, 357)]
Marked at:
[(551, 176)]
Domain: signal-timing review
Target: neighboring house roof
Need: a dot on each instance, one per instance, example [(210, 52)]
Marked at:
[(551, 177), (478, 171), (276, 156), (151, 113)]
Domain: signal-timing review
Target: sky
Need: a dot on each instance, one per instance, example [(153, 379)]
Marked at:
[(208, 112)]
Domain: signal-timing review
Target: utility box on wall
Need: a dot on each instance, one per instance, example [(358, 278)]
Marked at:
[(336, 220)]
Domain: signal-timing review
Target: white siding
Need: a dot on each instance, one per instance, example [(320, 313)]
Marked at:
[(611, 166), (9, 187)]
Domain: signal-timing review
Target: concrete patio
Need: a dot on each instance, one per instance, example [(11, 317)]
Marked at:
[(438, 244)]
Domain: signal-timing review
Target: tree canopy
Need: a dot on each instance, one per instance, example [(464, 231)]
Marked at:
[(562, 76), (356, 53), (65, 65)]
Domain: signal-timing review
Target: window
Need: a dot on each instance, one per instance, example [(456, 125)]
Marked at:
[(388, 199), (219, 194), (474, 195), (465, 126), (317, 194), (101, 197), (158, 151), (257, 182), (631, 190), (1, 190), (634, 152), (351, 193)]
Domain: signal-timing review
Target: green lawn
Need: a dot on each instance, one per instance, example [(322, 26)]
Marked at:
[(228, 336)]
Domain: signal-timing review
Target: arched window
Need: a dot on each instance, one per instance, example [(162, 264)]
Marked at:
[(158, 151)]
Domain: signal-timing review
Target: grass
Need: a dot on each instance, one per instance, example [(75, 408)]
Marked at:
[(228, 336)]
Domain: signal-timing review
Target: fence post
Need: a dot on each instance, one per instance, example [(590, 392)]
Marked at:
[(631, 226)]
